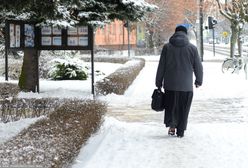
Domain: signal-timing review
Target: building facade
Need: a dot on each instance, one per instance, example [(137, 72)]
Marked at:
[(115, 36)]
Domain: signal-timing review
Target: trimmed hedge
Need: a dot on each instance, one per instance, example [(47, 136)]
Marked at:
[(16, 108), (121, 79), (113, 59), (8, 90), (55, 141)]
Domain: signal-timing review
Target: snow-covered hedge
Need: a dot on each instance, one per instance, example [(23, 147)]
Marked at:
[(110, 59), (121, 79), (54, 142), (8, 90), (13, 109)]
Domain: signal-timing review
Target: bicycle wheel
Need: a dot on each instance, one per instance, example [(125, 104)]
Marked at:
[(228, 66)]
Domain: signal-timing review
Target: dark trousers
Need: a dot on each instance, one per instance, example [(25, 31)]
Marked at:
[(177, 109)]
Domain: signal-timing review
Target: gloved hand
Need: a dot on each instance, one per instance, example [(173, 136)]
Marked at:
[(197, 86)]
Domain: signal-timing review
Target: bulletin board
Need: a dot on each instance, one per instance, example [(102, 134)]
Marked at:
[(24, 34)]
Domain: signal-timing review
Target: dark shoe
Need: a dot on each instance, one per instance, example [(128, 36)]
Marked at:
[(171, 131), (180, 136), (180, 133)]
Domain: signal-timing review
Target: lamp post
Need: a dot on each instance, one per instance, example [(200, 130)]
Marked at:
[(201, 29)]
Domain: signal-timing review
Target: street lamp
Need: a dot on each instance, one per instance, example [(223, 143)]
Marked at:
[(201, 29)]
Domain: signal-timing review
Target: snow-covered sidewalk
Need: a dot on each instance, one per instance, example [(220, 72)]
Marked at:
[(216, 135), (147, 145)]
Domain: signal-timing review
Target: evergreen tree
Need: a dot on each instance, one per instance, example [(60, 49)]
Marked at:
[(65, 13)]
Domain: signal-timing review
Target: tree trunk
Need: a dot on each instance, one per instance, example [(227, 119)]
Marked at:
[(151, 44), (234, 37), (28, 80), (239, 43)]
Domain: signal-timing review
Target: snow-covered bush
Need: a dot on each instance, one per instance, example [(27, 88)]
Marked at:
[(14, 68), (54, 141), (121, 79), (68, 70)]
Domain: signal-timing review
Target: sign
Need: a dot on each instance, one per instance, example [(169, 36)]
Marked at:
[(78, 36), (51, 36), (225, 34), (29, 35), (23, 34), (14, 35), (72, 38)]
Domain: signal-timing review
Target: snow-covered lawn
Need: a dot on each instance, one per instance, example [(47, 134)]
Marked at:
[(69, 88)]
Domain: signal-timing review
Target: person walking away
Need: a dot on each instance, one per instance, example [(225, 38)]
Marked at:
[(178, 62)]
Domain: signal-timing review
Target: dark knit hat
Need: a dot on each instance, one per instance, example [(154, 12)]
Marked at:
[(181, 28)]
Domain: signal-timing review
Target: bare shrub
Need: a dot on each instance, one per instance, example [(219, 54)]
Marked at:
[(55, 141), (121, 79)]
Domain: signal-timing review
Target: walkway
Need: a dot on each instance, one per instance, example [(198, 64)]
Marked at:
[(135, 137)]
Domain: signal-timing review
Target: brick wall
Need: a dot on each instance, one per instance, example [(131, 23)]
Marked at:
[(114, 36)]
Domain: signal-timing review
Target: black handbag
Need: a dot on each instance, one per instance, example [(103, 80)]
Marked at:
[(158, 100)]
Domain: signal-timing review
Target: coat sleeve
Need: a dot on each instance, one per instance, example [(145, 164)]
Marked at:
[(161, 68), (198, 69)]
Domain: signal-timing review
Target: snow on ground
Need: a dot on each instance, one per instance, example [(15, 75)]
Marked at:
[(216, 135), (215, 84), (57, 89), (146, 145), (10, 129), (71, 88)]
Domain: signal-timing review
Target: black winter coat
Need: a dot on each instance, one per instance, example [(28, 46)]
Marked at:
[(178, 61)]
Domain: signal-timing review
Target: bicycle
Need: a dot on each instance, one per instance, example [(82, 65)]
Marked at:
[(235, 64)]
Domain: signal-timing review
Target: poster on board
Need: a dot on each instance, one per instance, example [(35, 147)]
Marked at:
[(72, 31), (72, 41), (29, 35), (57, 41), (17, 36), (46, 41), (46, 30), (56, 31), (83, 30), (12, 35), (83, 41)]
